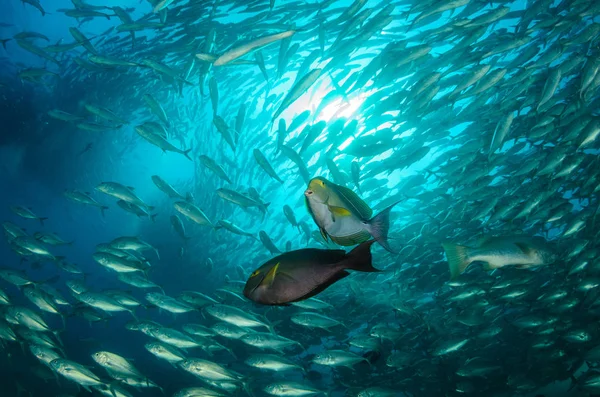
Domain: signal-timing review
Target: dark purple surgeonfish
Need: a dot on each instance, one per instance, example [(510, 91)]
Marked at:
[(301, 274)]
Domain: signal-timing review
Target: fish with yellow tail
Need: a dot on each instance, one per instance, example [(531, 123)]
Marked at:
[(343, 216)]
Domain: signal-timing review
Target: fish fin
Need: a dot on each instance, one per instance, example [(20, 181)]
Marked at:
[(353, 239), (360, 258), (102, 209), (186, 153), (527, 250), (42, 220), (153, 217), (458, 258), (379, 226), (270, 276), (133, 315), (339, 211), (130, 188), (355, 202)]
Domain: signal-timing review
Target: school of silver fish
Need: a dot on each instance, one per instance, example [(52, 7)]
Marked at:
[(451, 145)]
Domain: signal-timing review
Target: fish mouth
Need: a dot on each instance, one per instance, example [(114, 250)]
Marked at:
[(308, 192)]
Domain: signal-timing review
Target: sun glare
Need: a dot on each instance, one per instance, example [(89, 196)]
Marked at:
[(341, 108)]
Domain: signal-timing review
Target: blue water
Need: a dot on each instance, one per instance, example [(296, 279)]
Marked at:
[(41, 157)]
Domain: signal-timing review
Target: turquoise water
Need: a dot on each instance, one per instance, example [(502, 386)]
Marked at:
[(476, 119)]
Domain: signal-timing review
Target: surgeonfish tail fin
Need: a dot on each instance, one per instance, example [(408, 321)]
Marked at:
[(379, 226), (458, 258), (42, 220), (102, 209), (360, 258), (153, 217), (186, 153)]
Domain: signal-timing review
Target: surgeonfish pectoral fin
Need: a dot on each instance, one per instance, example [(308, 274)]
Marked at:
[(339, 211), (270, 276)]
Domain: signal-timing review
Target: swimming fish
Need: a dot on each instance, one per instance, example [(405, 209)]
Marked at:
[(496, 252), (343, 216), (301, 274)]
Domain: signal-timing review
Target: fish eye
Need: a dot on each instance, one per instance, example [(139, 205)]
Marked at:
[(322, 183), (256, 272)]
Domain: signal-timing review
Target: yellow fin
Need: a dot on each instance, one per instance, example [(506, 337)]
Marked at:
[(339, 211), (270, 276), (458, 258), (352, 200)]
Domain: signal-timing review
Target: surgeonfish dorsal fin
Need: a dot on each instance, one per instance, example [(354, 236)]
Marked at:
[(354, 202)]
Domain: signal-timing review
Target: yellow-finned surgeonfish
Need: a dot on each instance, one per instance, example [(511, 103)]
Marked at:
[(298, 275), (343, 216)]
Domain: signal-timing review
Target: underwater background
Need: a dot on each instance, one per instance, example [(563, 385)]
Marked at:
[(474, 122)]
